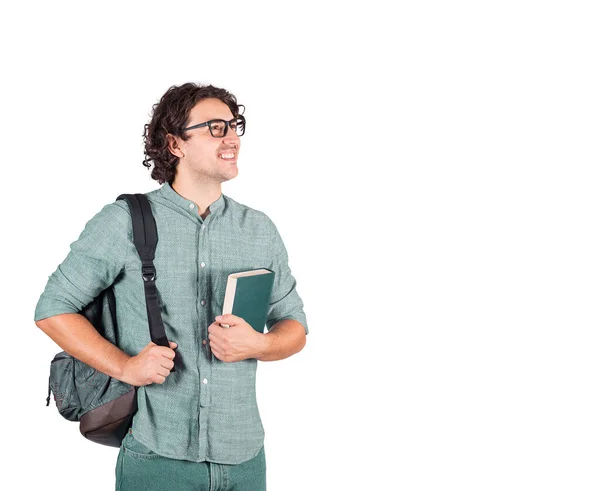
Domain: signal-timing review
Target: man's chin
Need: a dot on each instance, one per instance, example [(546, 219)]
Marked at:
[(230, 175)]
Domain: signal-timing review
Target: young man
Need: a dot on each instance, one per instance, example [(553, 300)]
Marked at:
[(198, 427)]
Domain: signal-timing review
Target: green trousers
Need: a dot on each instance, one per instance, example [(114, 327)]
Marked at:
[(138, 468)]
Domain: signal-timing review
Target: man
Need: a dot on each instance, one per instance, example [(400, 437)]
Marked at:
[(199, 426)]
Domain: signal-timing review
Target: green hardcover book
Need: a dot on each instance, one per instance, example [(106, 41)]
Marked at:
[(248, 295)]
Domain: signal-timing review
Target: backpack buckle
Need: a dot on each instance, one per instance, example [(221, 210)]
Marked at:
[(149, 273)]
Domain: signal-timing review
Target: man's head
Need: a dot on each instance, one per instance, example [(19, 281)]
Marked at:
[(173, 140)]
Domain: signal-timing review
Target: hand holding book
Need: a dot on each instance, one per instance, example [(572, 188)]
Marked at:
[(245, 308), (237, 343)]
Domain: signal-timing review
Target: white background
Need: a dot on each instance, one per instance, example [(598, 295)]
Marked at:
[(433, 171)]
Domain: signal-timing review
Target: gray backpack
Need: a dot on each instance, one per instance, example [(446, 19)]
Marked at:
[(104, 406)]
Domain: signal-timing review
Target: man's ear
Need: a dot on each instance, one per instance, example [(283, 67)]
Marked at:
[(173, 143)]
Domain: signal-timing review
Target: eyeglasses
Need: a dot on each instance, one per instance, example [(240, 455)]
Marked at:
[(218, 127)]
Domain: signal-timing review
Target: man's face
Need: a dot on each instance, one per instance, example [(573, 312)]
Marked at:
[(205, 155)]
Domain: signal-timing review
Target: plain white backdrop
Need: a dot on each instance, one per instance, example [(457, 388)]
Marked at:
[(432, 168)]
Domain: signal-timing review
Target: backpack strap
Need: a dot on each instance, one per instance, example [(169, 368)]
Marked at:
[(145, 239)]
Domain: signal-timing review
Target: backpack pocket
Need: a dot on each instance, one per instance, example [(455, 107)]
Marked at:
[(62, 384)]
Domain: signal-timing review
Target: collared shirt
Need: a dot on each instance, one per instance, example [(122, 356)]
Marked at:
[(206, 410)]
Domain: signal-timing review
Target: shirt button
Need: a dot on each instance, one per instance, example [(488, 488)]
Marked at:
[(191, 206), (203, 302), (205, 381), (203, 226), (204, 342), (202, 264)]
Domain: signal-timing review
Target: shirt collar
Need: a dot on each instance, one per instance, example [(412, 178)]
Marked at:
[(168, 192)]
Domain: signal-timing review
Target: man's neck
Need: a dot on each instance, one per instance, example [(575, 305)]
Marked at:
[(203, 196)]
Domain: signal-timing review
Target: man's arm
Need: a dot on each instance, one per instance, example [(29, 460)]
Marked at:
[(286, 337), (240, 341), (285, 322), (286, 306), (78, 337), (95, 260)]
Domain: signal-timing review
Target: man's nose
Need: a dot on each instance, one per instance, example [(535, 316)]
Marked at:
[(231, 138)]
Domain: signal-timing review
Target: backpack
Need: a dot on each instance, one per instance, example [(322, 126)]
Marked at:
[(104, 406)]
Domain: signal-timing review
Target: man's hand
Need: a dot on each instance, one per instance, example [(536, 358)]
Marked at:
[(152, 365), (237, 342)]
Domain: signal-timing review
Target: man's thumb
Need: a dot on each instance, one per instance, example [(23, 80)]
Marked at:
[(173, 344)]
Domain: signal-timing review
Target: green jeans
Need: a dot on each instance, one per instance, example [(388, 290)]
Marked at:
[(138, 468)]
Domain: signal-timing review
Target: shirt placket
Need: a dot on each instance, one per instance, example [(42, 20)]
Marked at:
[(204, 360)]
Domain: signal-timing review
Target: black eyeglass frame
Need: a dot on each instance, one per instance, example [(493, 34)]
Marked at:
[(226, 123)]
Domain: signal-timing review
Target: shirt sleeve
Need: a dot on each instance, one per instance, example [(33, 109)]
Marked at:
[(95, 259), (285, 300)]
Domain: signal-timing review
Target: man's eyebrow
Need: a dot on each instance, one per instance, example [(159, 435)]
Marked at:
[(216, 117)]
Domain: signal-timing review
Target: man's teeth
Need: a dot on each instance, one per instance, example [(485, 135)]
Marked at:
[(226, 155)]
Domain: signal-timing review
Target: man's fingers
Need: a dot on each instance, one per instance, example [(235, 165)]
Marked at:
[(228, 319), (167, 352)]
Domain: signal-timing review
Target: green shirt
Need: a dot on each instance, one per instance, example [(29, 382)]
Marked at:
[(206, 410)]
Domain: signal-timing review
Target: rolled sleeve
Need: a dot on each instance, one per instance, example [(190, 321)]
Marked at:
[(285, 300), (94, 261)]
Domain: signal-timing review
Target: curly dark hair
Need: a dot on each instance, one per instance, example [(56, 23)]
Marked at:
[(170, 115)]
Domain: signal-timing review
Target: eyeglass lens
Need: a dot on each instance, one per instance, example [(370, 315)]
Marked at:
[(217, 128)]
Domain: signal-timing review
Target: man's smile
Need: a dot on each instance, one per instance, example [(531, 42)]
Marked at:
[(227, 156)]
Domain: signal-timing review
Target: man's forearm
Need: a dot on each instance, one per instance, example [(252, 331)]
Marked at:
[(285, 338), (76, 335)]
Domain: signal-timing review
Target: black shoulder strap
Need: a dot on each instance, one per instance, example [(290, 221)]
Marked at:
[(145, 239)]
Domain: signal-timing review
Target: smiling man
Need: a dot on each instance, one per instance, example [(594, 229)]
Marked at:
[(197, 427)]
